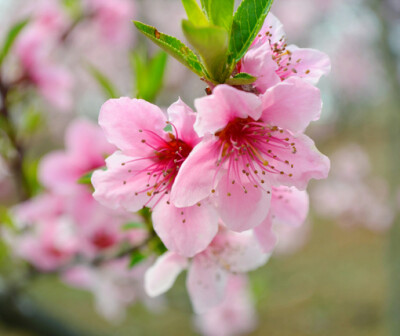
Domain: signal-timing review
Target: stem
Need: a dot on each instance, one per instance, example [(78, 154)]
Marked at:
[(16, 164)]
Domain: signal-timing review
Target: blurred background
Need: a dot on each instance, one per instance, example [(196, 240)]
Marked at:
[(339, 274)]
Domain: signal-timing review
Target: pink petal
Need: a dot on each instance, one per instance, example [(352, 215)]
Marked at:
[(119, 186), (88, 141), (197, 175), (307, 162), (206, 283), (224, 105), (183, 118), (186, 231), (291, 105), (259, 63), (238, 210), (60, 172), (274, 27), (289, 206), (160, 277), (238, 252), (132, 124), (265, 235), (313, 64)]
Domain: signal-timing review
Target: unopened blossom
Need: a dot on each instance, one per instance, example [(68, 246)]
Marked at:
[(235, 315), (143, 171), (34, 48), (115, 286), (112, 19), (251, 144), (271, 60), (288, 212), (86, 150), (208, 272)]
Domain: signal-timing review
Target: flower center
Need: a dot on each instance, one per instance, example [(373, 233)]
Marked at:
[(253, 149)]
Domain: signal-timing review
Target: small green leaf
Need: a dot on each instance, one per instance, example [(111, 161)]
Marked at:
[(194, 13), (11, 37), (205, 4), (212, 45), (133, 225), (136, 258), (5, 217), (149, 74), (172, 46), (86, 179), (241, 79), (221, 13), (105, 83), (32, 119), (247, 22)]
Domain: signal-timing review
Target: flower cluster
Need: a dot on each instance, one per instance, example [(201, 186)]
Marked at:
[(219, 179)]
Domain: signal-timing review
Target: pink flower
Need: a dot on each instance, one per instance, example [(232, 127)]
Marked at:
[(34, 48), (288, 211), (86, 149), (250, 145), (235, 315), (113, 19), (114, 285), (49, 240), (271, 60), (143, 171), (208, 271)]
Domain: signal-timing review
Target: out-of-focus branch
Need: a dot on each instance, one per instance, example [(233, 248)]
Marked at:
[(19, 312), (16, 164)]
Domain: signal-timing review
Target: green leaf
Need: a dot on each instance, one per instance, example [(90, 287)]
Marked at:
[(11, 37), (247, 22), (221, 13), (136, 258), (241, 79), (149, 74), (212, 45), (86, 179), (105, 83), (172, 46), (133, 225), (205, 4), (32, 120), (194, 13)]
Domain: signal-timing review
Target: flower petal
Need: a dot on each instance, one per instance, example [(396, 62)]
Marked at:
[(160, 277), (186, 231), (206, 283), (238, 210), (225, 104), (238, 252), (183, 118), (299, 163), (289, 206), (312, 65), (130, 124), (121, 186), (198, 174), (259, 63), (291, 105), (265, 234)]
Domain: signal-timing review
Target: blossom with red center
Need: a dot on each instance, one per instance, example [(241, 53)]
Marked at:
[(251, 144), (143, 172), (271, 60)]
